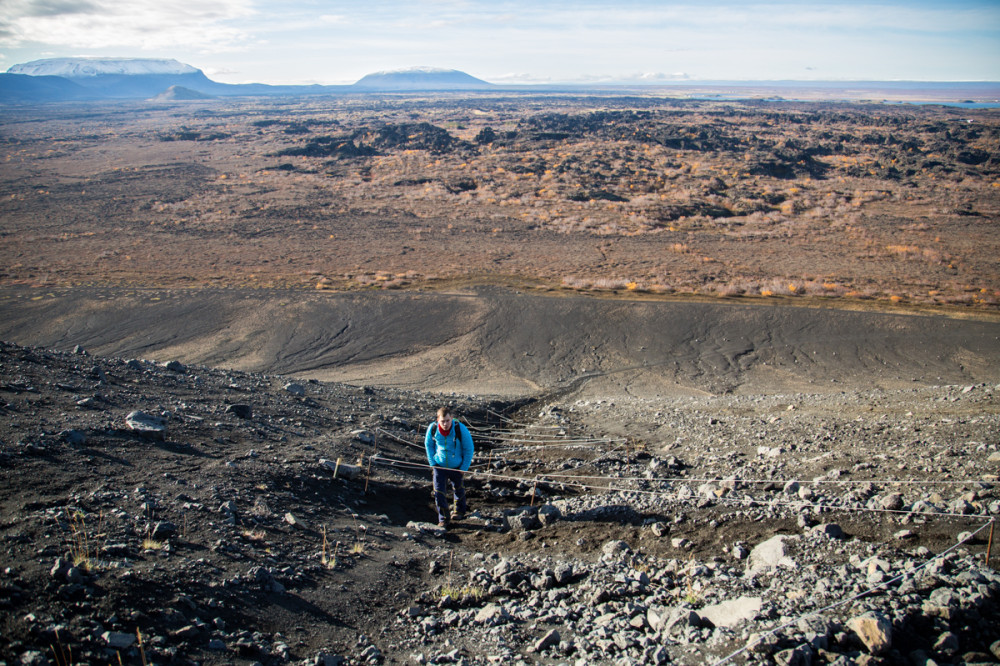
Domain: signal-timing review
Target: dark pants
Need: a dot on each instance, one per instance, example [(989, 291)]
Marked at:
[(442, 477)]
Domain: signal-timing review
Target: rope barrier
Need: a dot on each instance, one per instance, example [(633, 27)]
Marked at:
[(844, 602), (738, 480), (745, 501)]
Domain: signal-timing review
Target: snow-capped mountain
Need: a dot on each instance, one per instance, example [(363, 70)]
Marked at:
[(72, 68), (62, 79)]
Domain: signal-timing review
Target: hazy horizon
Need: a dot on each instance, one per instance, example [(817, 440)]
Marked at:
[(310, 41)]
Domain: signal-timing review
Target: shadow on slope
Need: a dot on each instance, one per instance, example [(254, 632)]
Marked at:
[(506, 343)]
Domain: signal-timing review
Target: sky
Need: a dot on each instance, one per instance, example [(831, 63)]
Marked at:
[(522, 41)]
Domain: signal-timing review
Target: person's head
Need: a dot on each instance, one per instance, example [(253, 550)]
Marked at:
[(444, 417)]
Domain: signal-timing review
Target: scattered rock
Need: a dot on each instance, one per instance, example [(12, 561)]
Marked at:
[(240, 411), (147, 425), (874, 630)]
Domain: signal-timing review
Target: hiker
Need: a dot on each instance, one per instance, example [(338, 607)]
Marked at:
[(449, 453)]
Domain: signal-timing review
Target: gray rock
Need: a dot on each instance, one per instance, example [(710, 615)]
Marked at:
[(73, 437), (240, 411), (947, 643), (548, 640), (731, 612), (681, 619), (797, 656), (426, 528), (523, 522), (297, 523), (549, 514), (564, 573), (34, 658), (491, 615), (341, 470), (295, 389), (892, 502), (615, 550), (831, 530), (163, 530), (769, 555), (147, 425), (118, 640), (364, 436), (175, 366)]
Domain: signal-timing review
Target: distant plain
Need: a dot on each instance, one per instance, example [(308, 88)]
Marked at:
[(860, 206)]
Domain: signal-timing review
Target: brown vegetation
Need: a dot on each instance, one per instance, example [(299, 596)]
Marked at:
[(659, 196)]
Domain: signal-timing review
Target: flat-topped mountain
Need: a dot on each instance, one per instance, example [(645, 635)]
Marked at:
[(90, 67), (421, 78)]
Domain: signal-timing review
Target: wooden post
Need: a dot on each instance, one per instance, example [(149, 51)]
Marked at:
[(368, 474), (989, 546), (534, 489), (336, 469)]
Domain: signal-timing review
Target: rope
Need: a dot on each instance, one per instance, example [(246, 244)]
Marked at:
[(745, 501)]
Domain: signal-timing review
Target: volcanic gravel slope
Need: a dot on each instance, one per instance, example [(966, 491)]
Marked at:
[(618, 518)]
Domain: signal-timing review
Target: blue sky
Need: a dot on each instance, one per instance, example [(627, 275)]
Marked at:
[(521, 41)]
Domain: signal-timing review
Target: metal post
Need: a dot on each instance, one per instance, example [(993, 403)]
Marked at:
[(989, 546)]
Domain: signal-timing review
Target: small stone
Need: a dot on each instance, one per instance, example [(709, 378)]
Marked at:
[(175, 366), (341, 470), (892, 502), (491, 615), (523, 522), (240, 411), (549, 514), (73, 437), (615, 549), (830, 530), (118, 640), (947, 643), (295, 389), (547, 641), (731, 612), (295, 522), (164, 530), (146, 425)]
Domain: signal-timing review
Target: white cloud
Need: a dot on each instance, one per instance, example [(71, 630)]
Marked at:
[(142, 24)]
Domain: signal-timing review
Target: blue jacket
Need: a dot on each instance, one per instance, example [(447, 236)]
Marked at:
[(446, 451)]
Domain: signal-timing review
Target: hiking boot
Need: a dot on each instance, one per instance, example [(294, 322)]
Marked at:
[(458, 515), (443, 524)]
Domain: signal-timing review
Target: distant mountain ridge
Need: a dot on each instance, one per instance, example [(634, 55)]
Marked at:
[(67, 79), (82, 79)]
